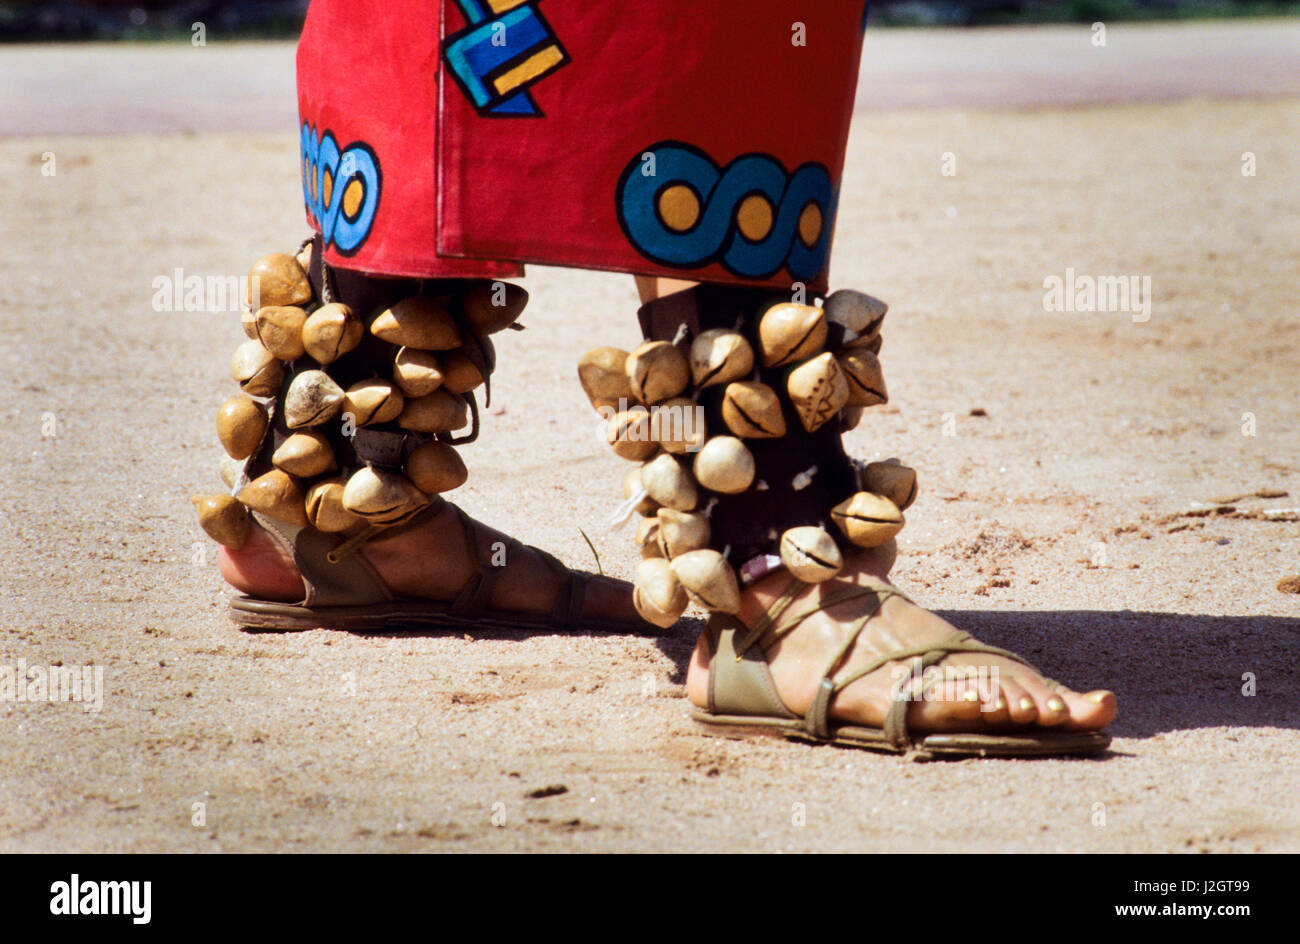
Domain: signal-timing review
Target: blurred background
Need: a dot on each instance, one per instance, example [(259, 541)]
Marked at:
[(165, 19)]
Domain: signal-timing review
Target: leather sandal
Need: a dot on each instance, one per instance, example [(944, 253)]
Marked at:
[(343, 591), (742, 696)]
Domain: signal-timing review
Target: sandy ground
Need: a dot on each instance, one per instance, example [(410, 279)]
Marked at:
[(1057, 523)]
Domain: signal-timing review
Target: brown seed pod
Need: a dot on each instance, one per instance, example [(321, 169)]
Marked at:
[(303, 258), (464, 369), (868, 342), (230, 470), (371, 402), (850, 417), (248, 322), (492, 306), (305, 454), (719, 356), (858, 312), (602, 371), (668, 483), (436, 467), (658, 594), (788, 332), (417, 372), (818, 390), (810, 554), (241, 424), (678, 425), (277, 279), (629, 435), (277, 495), (325, 509), (868, 519), (256, 370), (708, 580), (657, 371), (752, 410), (312, 399), (418, 322), (632, 485), (647, 538), (225, 520), (725, 465), (892, 479), (681, 531), (279, 328), (437, 412), (382, 496), (330, 332), (865, 379)]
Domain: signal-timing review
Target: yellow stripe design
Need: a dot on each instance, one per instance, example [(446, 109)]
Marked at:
[(535, 65)]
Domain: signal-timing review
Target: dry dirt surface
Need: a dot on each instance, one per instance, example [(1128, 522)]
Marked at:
[(1115, 496)]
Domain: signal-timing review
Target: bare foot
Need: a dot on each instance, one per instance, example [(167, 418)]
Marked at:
[(431, 561), (1015, 696)]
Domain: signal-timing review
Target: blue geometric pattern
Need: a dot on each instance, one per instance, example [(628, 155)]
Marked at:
[(715, 235), (497, 42), (357, 162)]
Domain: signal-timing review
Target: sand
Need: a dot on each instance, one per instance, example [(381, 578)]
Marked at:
[(1069, 466)]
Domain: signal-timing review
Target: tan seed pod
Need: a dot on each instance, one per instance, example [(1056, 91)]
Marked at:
[(305, 454), (437, 412), (818, 390), (657, 371), (719, 356), (248, 322), (417, 372), (382, 496), (277, 279), (436, 467), (277, 495), (461, 371), (256, 370), (303, 258), (279, 328), (725, 465), (312, 399), (325, 509), (858, 312), (647, 538), (630, 436), (890, 478), (658, 594), (602, 371), (225, 520), (868, 519), (241, 424), (492, 306), (632, 485), (669, 483), (681, 531), (678, 425), (752, 410), (868, 342), (865, 379), (230, 470), (708, 580), (330, 332), (810, 554), (371, 402), (418, 322), (788, 332)]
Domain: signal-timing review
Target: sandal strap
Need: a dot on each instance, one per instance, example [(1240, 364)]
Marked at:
[(573, 592)]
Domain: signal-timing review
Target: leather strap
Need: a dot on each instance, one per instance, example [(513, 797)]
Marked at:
[(351, 581)]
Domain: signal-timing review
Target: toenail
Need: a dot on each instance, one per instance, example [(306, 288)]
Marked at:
[(1096, 697), (1001, 705), (970, 695), (1026, 703), (1055, 704)]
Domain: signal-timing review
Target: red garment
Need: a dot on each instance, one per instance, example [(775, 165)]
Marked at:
[(676, 138)]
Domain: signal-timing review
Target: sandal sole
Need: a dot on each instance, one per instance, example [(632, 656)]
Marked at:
[(1073, 743)]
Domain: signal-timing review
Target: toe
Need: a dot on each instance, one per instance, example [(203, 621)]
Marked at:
[(1021, 708), (1051, 707), (1089, 712)]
